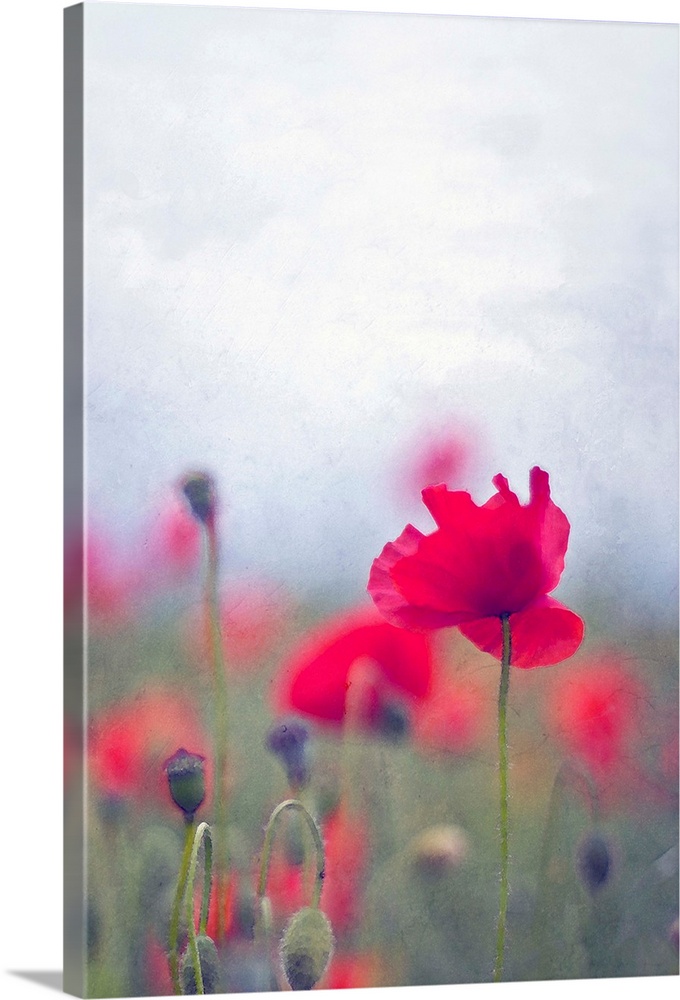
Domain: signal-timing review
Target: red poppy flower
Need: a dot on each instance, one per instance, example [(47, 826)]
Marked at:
[(156, 971), (224, 895), (174, 539), (316, 677), (502, 558), (289, 886), (130, 741), (596, 712), (346, 844), (253, 614), (439, 455), (453, 718), (111, 583), (353, 971)]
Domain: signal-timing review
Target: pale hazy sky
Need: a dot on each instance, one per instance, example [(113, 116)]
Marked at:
[(309, 234)]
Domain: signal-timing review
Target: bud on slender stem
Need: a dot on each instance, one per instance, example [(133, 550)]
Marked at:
[(186, 778), (306, 948)]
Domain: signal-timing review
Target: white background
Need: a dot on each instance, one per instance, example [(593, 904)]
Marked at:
[(30, 896)]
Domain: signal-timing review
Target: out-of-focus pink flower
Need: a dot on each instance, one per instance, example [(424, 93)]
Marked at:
[(173, 543), (157, 971), (355, 648), (111, 582), (353, 971), (288, 886), (443, 454), (346, 844), (253, 616), (453, 718), (224, 895), (130, 741), (595, 711)]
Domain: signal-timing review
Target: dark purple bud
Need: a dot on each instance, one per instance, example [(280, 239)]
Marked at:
[(594, 862), (289, 741), (393, 721), (199, 489)]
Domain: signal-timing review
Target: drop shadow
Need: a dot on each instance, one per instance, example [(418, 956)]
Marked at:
[(53, 980)]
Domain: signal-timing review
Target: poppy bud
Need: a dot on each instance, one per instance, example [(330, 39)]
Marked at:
[(210, 967), (594, 862), (186, 780), (440, 849), (288, 740), (393, 721), (199, 489), (306, 948)]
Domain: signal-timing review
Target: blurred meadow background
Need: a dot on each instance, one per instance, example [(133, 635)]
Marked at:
[(332, 258)]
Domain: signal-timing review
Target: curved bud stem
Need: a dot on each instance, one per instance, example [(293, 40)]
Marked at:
[(173, 958), (203, 832), (185, 893), (269, 840)]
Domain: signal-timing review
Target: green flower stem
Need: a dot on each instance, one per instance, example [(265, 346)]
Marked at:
[(503, 777), (173, 957), (268, 843), (361, 674), (202, 833), (220, 722)]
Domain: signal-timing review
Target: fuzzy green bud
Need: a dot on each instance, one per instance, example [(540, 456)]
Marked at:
[(440, 849), (186, 779), (210, 967), (306, 948)]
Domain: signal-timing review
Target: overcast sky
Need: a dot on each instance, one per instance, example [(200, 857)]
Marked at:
[(309, 235)]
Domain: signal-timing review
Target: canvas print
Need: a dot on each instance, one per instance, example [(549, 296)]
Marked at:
[(371, 535)]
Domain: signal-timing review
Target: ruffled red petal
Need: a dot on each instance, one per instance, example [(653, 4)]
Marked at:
[(544, 633), (390, 600), (480, 562), (315, 679)]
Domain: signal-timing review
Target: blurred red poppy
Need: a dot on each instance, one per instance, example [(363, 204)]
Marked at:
[(156, 971), (453, 718), (595, 711), (224, 894), (173, 542), (353, 971), (111, 582), (445, 454), (253, 616), (129, 742), (502, 558), (356, 647), (346, 844), (288, 885)]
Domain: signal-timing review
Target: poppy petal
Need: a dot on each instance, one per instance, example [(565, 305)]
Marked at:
[(544, 633), (388, 597)]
